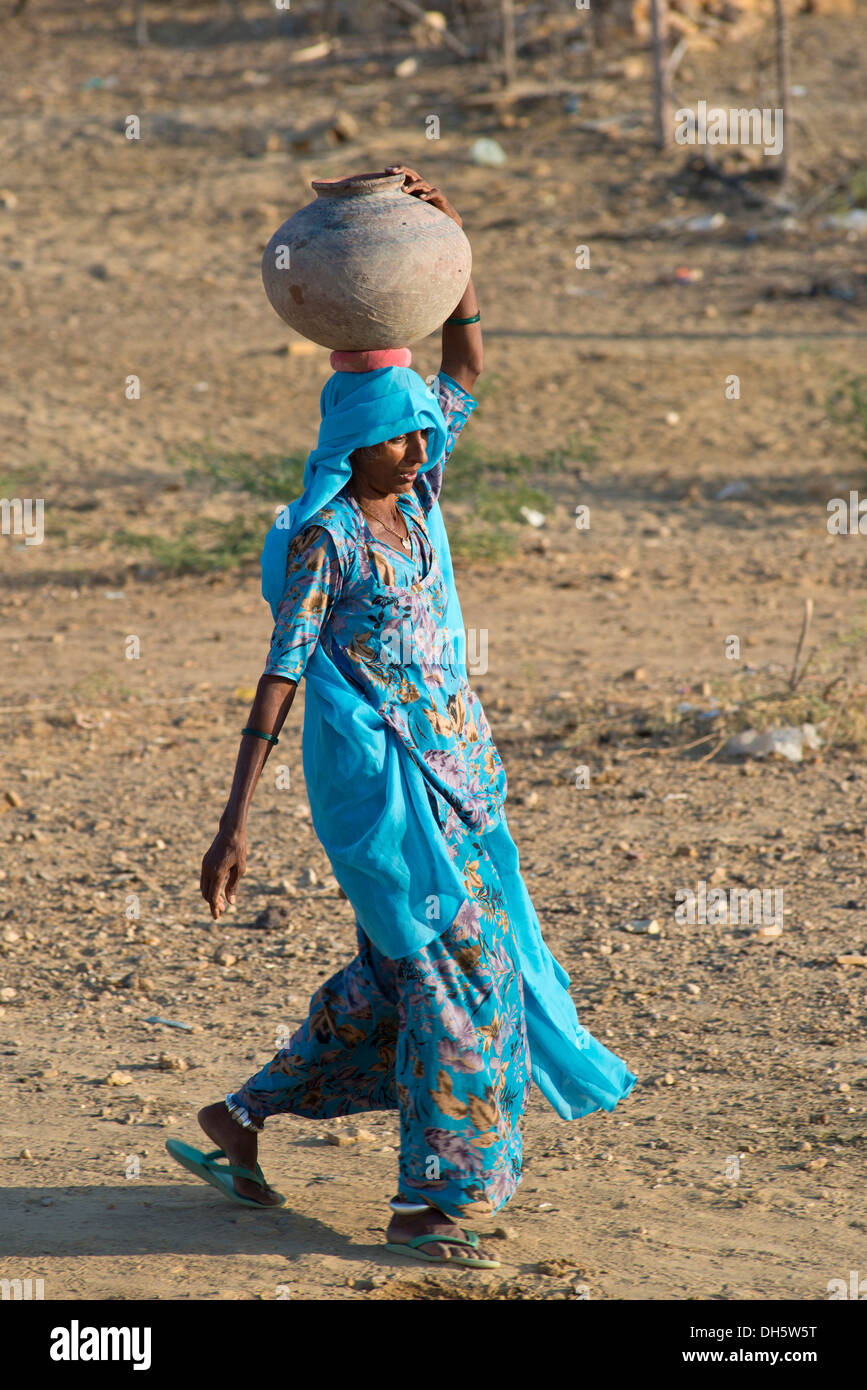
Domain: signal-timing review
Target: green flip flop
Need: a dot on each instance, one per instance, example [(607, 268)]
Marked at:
[(411, 1249), (219, 1175)]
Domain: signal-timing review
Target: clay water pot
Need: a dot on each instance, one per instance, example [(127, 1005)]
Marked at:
[(369, 266)]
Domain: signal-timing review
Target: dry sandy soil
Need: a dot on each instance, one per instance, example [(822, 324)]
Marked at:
[(735, 1170)]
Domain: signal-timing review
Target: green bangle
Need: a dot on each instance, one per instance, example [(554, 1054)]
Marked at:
[(475, 319), (270, 737)]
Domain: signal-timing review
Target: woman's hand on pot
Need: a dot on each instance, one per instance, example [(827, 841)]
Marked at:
[(222, 866), (414, 183)]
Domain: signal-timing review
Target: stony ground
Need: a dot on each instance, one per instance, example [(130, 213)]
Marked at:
[(735, 1168)]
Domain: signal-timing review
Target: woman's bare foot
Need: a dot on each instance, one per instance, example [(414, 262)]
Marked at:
[(404, 1226), (241, 1147)]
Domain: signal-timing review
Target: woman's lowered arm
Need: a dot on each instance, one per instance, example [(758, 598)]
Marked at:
[(226, 860)]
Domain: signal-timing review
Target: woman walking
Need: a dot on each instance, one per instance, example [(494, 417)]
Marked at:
[(453, 1003)]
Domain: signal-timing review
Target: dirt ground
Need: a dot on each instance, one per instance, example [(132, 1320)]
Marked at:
[(735, 1169)]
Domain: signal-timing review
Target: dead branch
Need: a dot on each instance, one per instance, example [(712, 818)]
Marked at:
[(805, 628), (661, 83), (415, 12)]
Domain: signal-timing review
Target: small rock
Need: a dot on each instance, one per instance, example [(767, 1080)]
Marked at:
[(814, 1164), (844, 960), (819, 1117), (47, 1202), (769, 931), (668, 1079), (361, 1135), (168, 1062), (785, 742), (740, 488), (855, 220), (352, 1134), (10, 936), (8, 199), (489, 153), (694, 990), (344, 126), (504, 1233), (224, 957), (118, 1078), (140, 983), (12, 798), (308, 878), (407, 68), (8, 994), (643, 926), (25, 1153)]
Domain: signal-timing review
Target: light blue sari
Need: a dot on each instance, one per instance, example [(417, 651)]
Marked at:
[(368, 799)]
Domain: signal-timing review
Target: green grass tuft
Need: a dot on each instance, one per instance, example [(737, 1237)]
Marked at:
[(847, 407)]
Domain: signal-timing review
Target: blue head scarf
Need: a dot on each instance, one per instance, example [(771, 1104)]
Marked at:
[(368, 798), (358, 409)]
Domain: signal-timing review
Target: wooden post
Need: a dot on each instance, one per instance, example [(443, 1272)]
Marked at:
[(783, 87), (141, 23), (597, 27), (507, 11), (662, 112)]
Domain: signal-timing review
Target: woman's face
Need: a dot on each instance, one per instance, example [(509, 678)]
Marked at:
[(391, 466)]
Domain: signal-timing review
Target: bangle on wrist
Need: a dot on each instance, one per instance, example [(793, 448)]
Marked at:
[(473, 319), (270, 738)]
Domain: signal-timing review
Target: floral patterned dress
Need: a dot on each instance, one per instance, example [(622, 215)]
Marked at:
[(380, 615), (439, 1035)]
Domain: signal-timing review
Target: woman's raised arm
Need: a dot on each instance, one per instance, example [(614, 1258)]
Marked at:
[(463, 358)]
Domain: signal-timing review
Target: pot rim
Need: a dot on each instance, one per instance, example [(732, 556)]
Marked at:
[(356, 184)]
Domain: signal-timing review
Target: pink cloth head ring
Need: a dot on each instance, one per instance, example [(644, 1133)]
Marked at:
[(370, 360)]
